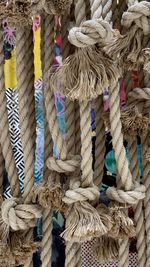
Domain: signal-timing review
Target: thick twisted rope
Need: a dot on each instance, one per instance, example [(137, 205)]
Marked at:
[(1, 170), (138, 209), (30, 86), (100, 9), (139, 14), (25, 83), (27, 144), (146, 175), (100, 142), (73, 250), (125, 178), (4, 130), (47, 56), (86, 147)]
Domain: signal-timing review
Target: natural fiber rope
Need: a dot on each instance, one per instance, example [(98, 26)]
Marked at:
[(27, 143), (30, 86), (146, 179), (4, 130), (79, 11), (53, 124), (102, 9), (122, 164), (138, 209), (25, 83), (73, 250), (146, 175), (86, 147), (1, 170), (47, 48), (100, 142)]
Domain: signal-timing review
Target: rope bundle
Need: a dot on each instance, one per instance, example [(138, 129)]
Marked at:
[(101, 55)]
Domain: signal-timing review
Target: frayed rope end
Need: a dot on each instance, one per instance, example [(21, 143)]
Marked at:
[(83, 223)]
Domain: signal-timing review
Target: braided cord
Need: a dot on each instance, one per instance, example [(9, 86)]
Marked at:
[(47, 46), (4, 130)]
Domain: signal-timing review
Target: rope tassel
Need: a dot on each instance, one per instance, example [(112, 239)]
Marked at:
[(86, 73)]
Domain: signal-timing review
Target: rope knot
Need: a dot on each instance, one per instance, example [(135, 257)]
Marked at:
[(130, 197), (78, 193), (90, 33), (64, 166), (17, 216), (139, 13)]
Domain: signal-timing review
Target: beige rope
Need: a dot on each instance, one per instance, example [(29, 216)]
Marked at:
[(30, 86), (4, 130), (125, 178), (138, 209), (146, 175), (27, 144), (100, 9), (100, 142), (1, 170), (25, 83), (47, 46), (73, 250)]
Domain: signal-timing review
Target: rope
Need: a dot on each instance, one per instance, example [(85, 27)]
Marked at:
[(30, 86), (1, 170), (125, 178), (100, 9), (146, 174), (47, 37), (100, 142), (73, 250), (79, 11), (86, 147), (138, 209), (25, 78), (27, 144), (4, 130)]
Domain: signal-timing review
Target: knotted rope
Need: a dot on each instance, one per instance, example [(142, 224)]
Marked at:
[(76, 84), (6, 218), (73, 196), (127, 48), (71, 127), (25, 78)]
